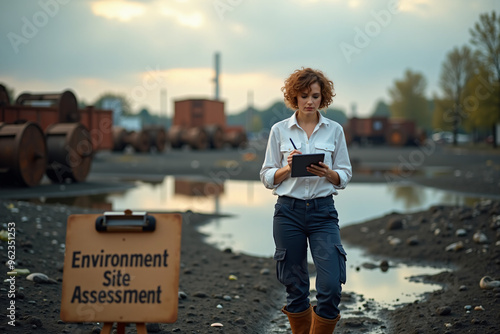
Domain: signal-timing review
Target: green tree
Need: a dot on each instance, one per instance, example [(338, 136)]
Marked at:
[(485, 36), (117, 102), (10, 93), (408, 99), (382, 109), (481, 101), (456, 71)]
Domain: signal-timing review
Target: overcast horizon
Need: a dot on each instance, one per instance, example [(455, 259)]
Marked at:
[(141, 48)]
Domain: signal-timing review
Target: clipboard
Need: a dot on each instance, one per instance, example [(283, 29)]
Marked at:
[(301, 161)]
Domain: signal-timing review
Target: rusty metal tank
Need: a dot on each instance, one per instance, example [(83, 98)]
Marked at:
[(140, 140), (69, 148), (215, 136), (120, 137), (174, 136), (23, 154), (196, 138), (64, 102), (235, 136), (157, 135)]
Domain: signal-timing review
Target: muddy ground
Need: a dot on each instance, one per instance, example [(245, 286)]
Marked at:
[(250, 303)]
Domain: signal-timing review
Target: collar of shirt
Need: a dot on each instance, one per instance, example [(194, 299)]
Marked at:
[(293, 120)]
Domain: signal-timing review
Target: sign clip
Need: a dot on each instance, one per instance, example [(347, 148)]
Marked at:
[(126, 221)]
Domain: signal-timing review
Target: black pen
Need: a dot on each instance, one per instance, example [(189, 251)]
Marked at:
[(295, 147)]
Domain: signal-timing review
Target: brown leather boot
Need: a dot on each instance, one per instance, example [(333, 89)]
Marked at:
[(321, 325), (299, 322)]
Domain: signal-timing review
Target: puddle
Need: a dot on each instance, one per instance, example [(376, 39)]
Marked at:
[(247, 227)]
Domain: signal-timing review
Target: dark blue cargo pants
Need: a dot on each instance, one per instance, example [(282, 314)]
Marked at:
[(295, 222)]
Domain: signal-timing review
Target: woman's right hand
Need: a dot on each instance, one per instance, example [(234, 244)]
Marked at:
[(289, 158), (285, 171)]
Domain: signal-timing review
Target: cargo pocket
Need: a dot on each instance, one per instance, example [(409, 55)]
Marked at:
[(279, 257), (342, 261), (277, 208)]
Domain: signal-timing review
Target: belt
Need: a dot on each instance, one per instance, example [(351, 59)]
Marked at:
[(302, 203)]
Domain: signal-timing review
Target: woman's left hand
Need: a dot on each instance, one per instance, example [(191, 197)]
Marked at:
[(324, 171), (321, 170)]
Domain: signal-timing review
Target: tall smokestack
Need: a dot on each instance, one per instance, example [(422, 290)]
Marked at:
[(217, 72)]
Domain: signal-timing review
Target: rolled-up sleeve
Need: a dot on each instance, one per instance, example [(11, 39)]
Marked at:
[(272, 160), (341, 161)]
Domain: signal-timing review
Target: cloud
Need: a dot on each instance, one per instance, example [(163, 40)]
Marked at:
[(191, 20), (120, 10)]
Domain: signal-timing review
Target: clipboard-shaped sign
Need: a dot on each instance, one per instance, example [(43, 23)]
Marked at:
[(121, 267)]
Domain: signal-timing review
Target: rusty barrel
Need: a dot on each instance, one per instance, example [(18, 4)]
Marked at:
[(175, 135), (70, 151), (196, 138), (23, 154), (215, 136), (140, 140), (120, 137), (157, 135), (235, 137), (4, 96), (64, 102)]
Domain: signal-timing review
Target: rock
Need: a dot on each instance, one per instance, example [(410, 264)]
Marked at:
[(36, 322), (412, 241), (395, 224), (40, 278), (487, 283), (200, 294), (227, 298), (443, 310), (233, 278), (480, 238), (495, 223), (384, 265), (369, 265), (216, 324), (462, 288), (182, 295), (479, 308), (461, 232), (240, 321), (394, 241), (265, 271), (454, 247)]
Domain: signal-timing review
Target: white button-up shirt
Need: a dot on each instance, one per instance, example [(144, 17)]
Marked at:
[(327, 137)]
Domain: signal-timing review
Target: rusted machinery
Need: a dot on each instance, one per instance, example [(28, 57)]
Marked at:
[(48, 134), (144, 140), (201, 124), (381, 130), (69, 152), (23, 154), (99, 122), (157, 135)]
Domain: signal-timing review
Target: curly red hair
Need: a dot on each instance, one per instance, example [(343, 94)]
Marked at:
[(300, 80)]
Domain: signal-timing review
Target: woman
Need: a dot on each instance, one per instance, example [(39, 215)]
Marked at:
[(305, 209)]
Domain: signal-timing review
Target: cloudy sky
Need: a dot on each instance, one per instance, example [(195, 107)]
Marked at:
[(141, 48)]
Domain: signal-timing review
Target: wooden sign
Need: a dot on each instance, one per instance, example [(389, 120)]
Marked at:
[(121, 267)]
